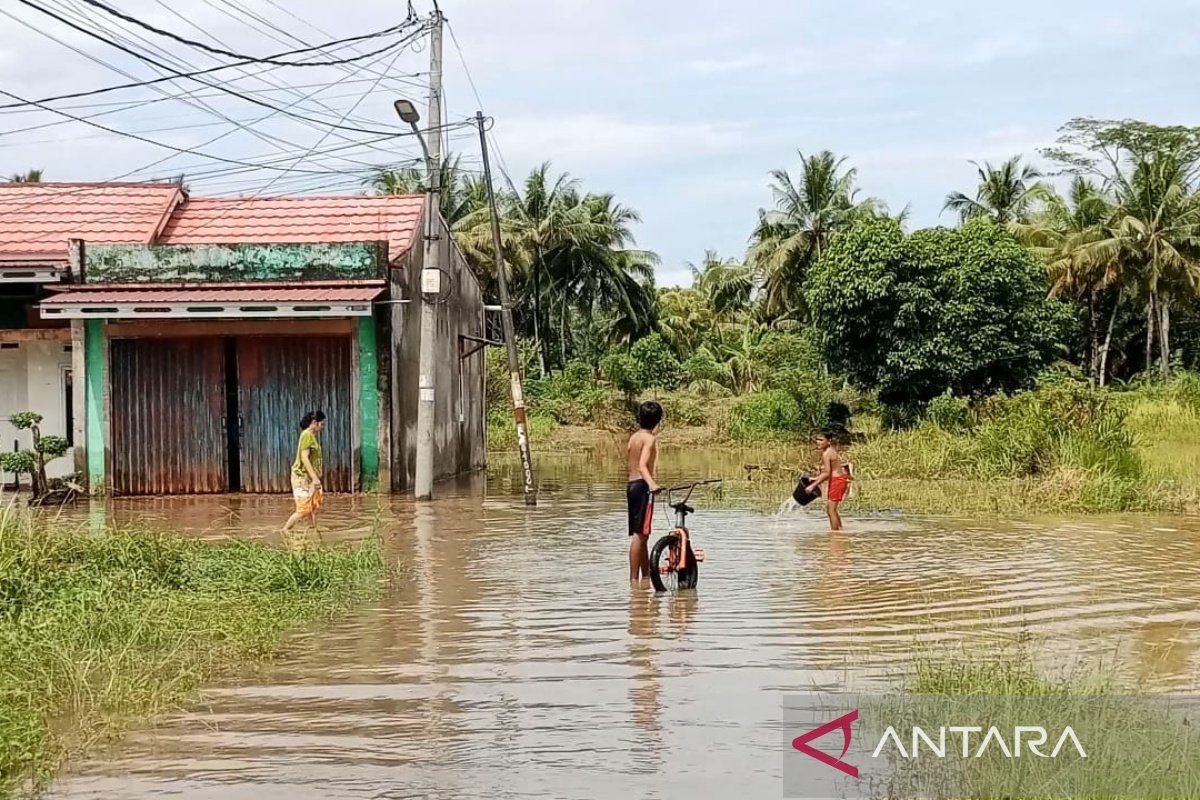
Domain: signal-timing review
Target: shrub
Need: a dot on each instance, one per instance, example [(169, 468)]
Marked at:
[(701, 366), (656, 364), (685, 410), (502, 433), (948, 412), (499, 392), (622, 372), (766, 415), (1065, 425)]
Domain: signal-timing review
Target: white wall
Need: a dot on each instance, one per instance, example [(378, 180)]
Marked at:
[(32, 379)]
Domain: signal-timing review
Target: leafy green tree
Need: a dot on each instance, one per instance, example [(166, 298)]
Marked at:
[(685, 319), (656, 363), (790, 238), (941, 310), (460, 194), (603, 276), (1006, 194), (622, 371)]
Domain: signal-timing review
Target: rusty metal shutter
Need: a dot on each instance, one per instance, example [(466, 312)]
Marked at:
[(168, 410), (279, 379)]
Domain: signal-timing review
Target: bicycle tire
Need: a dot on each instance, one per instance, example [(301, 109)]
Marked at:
[(685, 579)]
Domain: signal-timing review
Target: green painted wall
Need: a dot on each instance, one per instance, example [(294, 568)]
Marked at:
[(93, 347), (119, 263), (368, 392)]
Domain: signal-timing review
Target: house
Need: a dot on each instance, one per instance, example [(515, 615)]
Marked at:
[(177, 340)]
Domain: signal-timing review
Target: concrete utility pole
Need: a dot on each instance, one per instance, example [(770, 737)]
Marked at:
[(430, 274), (506, 322)]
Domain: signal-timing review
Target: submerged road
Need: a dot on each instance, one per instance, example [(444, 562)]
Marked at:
[(512, 659)]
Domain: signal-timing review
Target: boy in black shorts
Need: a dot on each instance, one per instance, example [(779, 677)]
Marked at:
[(643, 458)]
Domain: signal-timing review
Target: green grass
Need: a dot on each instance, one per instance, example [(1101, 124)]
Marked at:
[(1131, 740), (98, 630)]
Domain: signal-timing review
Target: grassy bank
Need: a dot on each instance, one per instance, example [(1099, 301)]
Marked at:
[(1130, 740), (1061, 448), (100, 630)]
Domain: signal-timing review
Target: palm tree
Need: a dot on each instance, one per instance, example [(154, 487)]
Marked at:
[(32, 176), (1155, 235), (1064, 234), (791, 237), (726, 285), (1006, 194), (602, 274), (576, 249), (459, 193), (685, 319)]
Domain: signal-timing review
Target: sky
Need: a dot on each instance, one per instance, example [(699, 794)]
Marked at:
[(680, 109)]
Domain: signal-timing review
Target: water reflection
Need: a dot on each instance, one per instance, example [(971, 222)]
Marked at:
[(511, 658)]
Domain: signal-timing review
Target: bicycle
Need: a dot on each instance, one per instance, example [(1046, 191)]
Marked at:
[(674, 565)]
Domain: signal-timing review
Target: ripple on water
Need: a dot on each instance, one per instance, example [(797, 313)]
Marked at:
[(513, 660)]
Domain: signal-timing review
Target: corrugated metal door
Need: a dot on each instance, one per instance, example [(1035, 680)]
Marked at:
[(168, 411), (279, 379)]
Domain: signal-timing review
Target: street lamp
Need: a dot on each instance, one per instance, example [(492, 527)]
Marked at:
[(430, 288), (408, 113)]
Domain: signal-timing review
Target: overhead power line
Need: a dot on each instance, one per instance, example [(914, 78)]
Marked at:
[(126, 134), (175, 74), (219, 50)]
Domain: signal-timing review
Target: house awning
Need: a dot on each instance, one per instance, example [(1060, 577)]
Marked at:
[(213, 301), (16, 269)]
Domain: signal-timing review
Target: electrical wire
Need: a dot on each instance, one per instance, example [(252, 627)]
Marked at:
[(348, 73), (155, 62), (500, 162), (300, 159), (127, 134), (220, 51), (138, 84), (275, 141)]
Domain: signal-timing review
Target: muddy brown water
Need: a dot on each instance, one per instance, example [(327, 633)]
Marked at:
[(513, 660)]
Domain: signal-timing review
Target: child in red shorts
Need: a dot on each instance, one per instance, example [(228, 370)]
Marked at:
[(834, 471)]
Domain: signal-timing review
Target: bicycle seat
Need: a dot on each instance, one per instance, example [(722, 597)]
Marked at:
[(684, 507)]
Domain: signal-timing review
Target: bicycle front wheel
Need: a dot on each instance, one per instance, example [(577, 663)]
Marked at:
[(664, 570)]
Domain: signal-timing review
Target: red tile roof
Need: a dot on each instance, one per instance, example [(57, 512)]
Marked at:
[(362, 293), (299, 219), (37, 219)]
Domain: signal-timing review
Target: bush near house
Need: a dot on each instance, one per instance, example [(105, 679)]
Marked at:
[(33, 462)]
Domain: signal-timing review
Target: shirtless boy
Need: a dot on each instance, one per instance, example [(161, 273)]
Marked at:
[(834, 471), (642, 486)]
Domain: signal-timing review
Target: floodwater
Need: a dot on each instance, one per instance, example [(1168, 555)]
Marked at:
[(513, 660)]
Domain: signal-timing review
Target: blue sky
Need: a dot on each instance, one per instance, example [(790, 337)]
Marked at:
[(681, 108)]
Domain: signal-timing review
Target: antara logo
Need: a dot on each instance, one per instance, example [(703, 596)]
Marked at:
[(843, 722), (1029, 738)]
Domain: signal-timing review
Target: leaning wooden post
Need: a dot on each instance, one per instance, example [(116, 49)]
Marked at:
[(506, 322)]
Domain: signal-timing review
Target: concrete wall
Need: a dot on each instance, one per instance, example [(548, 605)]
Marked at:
[(460, 426), (167, 263), (33, 378)]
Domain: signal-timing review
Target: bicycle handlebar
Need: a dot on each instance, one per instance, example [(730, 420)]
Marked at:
[(691, 487), (683, 486)]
